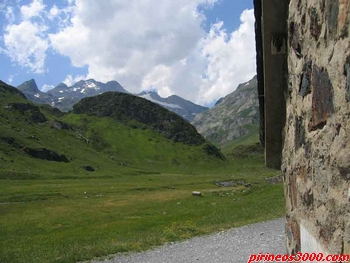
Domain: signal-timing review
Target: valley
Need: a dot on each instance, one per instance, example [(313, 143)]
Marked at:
[(117, 174)]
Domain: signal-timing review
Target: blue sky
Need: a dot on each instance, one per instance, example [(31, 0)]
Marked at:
[(198, 49)]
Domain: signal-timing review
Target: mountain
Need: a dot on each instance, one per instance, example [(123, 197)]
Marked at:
[(85, 88), (184, 108), (64, 97), (232, 117), (9, 91), (31, 91), (109, 134), (125, 107)]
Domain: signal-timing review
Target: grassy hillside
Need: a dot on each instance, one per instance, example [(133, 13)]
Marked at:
[(103, 186), (105, 144), (233, 117), (133, 145)]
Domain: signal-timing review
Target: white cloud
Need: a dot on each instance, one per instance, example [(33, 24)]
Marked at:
[(128, 40), (54, 11), (231, 58), (60, 16), (9, 14), (46, 87), (220, 62), (143, 45), (140, 44), (70, 80), (3, 6), (32, 10), (26, 42), (10, 79), (25, 45), (159, 77)]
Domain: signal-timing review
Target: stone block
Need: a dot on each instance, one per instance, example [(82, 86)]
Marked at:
[(344, 18), (305, 83), (346, 248), (315, 25), (347, 74), (308, 198), (322, 98), (326, 233), (294, 41), (293, 192), (196, 193), (299, 133), (332, 12), (293, 235)]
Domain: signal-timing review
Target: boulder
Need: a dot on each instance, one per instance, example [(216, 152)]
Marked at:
[(46, 154)]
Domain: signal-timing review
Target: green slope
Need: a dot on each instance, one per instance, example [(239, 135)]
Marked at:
[(233, 117), (107, 145)]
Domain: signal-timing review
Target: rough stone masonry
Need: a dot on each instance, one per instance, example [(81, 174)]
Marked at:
[(315, 157), (316, 151)]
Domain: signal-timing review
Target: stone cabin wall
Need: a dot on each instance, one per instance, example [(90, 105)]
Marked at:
[(316, 136), (316, 151)]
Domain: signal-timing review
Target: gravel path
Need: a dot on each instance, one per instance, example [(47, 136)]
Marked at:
[(234, 245)]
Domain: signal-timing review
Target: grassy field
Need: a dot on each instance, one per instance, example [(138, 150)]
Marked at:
[(138, 196), (68, 220)]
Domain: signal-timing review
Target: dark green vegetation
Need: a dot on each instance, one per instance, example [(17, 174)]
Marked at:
[(125, 108), (77, 186)]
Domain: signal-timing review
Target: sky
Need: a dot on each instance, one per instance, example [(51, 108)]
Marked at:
[(197, 49)]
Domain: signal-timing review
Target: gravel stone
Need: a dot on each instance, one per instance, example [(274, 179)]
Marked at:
[(235, 245)]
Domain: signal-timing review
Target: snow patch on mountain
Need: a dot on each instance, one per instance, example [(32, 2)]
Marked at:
[(91, 85), (148, 97)]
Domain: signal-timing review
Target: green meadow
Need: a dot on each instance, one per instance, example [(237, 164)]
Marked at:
[(138, 196), (69, 220)]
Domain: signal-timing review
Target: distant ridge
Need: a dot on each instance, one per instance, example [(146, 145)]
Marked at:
[(124, 107), (184, 108), (64, 97), (232, 117)]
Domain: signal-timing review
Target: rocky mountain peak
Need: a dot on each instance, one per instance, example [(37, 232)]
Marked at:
[(30, 86)]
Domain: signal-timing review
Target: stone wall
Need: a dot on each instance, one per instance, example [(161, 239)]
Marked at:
[(316, 150)]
